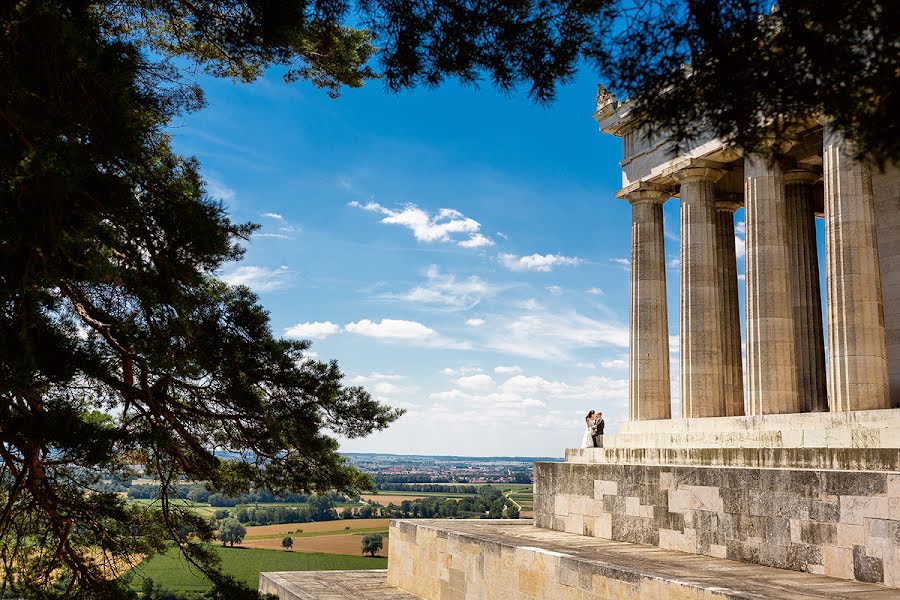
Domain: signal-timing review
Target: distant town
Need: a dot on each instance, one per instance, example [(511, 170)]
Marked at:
[(412, 468)]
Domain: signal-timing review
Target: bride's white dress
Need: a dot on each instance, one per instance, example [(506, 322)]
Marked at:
[(588, 440)]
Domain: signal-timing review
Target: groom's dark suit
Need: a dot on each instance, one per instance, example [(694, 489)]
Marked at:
[(598, 435)]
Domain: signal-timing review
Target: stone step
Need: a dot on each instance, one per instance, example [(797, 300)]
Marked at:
[(513, 560), (853, 429), (844, 459), (331, 585)]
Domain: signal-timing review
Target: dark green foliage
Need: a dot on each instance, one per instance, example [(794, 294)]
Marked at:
[(752, 74), (122, 353), (287, 543), (231, 532), (372, 544)]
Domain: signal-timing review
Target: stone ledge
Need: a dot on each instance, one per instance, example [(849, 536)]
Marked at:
[(853, 429), (512, 560), (842, 459), (331, 585)]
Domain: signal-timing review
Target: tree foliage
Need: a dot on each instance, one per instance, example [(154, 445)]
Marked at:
[(747, 70), (287, 543), (372, 544), (122, 352), (231, 532)]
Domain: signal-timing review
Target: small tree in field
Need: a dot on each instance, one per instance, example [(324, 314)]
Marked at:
[(231, 532), (372, 544), (287, 543)]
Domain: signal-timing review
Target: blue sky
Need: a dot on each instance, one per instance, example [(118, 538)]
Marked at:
[(459, 252)]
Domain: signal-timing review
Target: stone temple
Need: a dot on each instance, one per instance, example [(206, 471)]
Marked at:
[(780, 478)]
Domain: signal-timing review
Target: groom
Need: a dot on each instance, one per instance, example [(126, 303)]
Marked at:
[(599, 425)]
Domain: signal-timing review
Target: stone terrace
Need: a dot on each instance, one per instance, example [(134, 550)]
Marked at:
[(512, 560)]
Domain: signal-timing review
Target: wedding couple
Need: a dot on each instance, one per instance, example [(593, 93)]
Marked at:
[(593, 433)]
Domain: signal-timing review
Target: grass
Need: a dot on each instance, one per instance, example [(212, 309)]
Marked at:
[(172, 572)]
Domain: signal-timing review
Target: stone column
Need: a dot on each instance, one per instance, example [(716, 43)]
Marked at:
[(648, 394), (857, 358), (807, 298), (733, 376), (702, 360), (771, 342)]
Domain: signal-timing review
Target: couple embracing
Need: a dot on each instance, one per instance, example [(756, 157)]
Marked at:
[(593, 433)]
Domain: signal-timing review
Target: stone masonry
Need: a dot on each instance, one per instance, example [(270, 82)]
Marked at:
[(843, 524)]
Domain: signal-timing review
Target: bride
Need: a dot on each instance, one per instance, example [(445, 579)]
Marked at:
[(588, 440)]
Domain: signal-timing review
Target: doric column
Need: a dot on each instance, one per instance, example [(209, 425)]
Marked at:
[(771, 353), (733, 376), (702, 360), (857, 358), (648, 394), (810, 348)]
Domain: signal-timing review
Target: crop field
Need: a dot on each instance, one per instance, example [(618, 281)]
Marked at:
[(343, 543), (246, 564), (316, 529)]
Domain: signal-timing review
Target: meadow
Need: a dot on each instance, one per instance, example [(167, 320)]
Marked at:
[(172, 572)]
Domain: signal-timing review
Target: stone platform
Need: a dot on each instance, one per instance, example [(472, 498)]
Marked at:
[(832, 522), (331, 585), (513, 560), (878, 429)]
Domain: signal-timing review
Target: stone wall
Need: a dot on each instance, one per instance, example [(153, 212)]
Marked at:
[(439, 564), (838, 523)]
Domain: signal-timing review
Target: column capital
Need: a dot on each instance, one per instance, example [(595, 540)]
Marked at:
[(728, 205), (645, 192), (801, 176), (699, 170)]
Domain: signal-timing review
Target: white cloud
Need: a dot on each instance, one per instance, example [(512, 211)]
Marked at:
[(447, 225), (530, 304), (507, 370), (674, 263), (391, 329), (316, 330), (583, 365), (555, 290), (740, 233), (626, 263), (258, 279), (271, 215), (398, 330), (742, 277), (545, 335), (460, 371), (595, 291), (538, 262), (276, 236), (475, 322), (447, 291), (384, 384), (478, 383), (500, 234), (617, 363), (476, 241)]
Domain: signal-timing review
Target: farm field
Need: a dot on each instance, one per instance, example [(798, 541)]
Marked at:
[(317, 528), (246, 564), (344, 543)]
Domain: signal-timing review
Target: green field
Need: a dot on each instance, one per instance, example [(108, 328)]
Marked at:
[(245, 564)]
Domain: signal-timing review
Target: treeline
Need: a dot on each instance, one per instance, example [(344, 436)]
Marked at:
[(200, 493), (428, 487), (488, 503)]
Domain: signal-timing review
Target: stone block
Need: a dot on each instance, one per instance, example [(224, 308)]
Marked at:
[(867, 568)]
